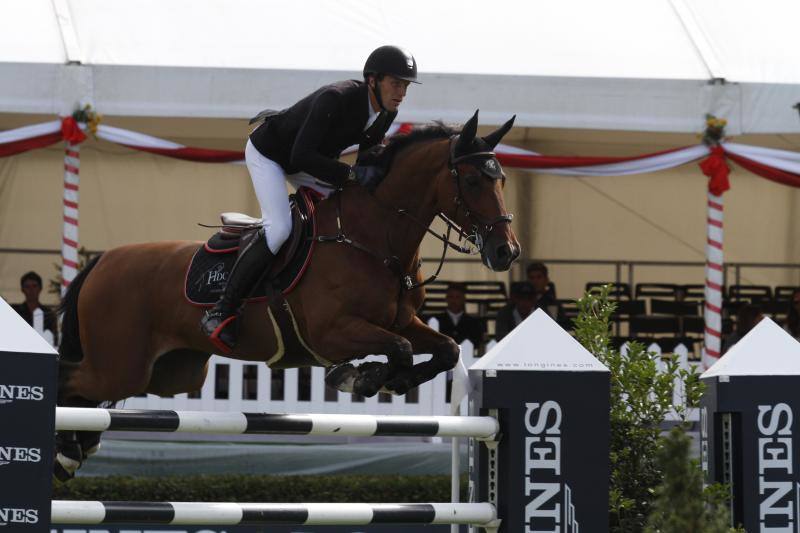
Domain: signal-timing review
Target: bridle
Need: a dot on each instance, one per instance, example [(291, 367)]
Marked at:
[(481, 225)]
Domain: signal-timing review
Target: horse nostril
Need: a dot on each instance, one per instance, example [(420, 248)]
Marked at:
[(503, 252)]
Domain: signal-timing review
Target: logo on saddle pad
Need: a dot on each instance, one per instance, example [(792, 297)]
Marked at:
[(213, 279), (9, 393)]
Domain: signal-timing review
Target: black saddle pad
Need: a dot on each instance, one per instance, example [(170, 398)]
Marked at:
[(211, 264)]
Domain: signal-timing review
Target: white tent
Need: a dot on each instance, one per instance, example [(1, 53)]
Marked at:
[(653, 65)]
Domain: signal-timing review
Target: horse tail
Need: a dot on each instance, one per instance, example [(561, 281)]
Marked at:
[(70, 347)]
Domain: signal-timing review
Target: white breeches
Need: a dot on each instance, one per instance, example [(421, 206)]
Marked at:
[(269, 182)]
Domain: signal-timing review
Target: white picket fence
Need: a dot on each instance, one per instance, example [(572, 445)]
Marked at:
[(430, 398), (248, 378), (678, 392)]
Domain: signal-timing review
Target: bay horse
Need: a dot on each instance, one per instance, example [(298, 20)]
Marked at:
[(128, 330)]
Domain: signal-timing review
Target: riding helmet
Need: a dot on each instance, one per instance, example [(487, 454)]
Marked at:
[(392, 60)]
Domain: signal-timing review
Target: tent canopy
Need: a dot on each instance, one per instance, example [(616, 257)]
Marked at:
[(659, 65)]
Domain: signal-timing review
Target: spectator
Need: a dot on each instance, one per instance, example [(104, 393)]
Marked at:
[(521, 304), (455, 322), (31, 286), (746, 319), (793, 317), (545, 290)]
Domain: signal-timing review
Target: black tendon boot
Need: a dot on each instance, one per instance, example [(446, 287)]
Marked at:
[(219, 322)]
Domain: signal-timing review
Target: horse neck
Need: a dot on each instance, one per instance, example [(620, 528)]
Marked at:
[(411, 184)]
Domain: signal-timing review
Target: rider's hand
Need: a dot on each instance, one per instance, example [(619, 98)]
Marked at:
[(368, 176)]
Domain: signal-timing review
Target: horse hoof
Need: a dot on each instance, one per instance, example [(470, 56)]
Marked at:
[(64, 468), (397, 386), (91, 451), (342, 377), (371, 377)]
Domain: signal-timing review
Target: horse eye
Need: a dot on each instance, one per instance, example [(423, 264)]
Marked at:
[(473, 180)]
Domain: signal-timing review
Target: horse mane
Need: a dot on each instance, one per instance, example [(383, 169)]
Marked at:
[(384, 157)]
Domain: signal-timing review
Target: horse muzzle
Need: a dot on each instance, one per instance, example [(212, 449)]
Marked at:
[(499, 256)]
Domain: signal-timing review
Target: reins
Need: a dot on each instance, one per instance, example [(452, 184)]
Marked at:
[(477, 236)]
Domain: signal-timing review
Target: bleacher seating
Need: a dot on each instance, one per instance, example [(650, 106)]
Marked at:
[(751, 293), (656, 290), (692, 291), (665, 313), (617, 290), (784, 293), (483, 298)]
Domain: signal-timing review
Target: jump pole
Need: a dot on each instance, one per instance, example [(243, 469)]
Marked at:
[(538, 450)]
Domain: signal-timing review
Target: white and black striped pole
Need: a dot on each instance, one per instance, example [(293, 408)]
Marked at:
[(88, 419), (262, 514)]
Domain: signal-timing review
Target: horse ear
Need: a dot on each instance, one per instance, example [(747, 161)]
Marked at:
[(468, 133), (494, 138)]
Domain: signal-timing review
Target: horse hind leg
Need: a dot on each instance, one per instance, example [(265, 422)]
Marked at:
[(73, 447)]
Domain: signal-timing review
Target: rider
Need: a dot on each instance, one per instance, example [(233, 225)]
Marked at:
[(303, 144)]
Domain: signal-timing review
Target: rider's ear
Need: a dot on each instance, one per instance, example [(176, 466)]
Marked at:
[(468, 133), (493, 138)]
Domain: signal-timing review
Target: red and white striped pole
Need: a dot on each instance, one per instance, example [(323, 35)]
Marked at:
[(69, 241), (715, 167), (73, 137), (714, 281)]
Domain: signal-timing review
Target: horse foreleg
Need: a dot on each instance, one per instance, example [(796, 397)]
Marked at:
[(359, 338), (444, 350)]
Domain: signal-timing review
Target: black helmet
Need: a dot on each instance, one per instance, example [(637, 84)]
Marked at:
[(392, 60)]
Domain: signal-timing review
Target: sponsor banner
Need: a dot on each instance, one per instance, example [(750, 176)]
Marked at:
[(749, 428), (554, 448), (27, 419)]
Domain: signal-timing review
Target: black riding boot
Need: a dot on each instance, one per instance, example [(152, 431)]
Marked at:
[(220, 323)]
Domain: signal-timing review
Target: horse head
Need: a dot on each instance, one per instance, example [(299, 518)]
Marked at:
[(472, 194)]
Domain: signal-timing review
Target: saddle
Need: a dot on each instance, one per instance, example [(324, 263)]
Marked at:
[(211, 264)]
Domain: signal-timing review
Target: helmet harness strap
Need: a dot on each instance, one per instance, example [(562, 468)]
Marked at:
[(377, 92)]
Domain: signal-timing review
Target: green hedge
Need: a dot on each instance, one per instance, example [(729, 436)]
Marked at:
[(239, 488)]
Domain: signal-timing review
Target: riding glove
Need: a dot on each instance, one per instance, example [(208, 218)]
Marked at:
[(368, 176)]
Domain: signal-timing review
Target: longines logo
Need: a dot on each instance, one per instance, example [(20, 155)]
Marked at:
[(546, 495), (776, 480), (18, 516), (10, 393), (10, 455)]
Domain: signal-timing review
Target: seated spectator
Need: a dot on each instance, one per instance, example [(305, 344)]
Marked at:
[(793, 317), (746, 319), (545, 291), (455, 322), (521, 304), (31, 286)]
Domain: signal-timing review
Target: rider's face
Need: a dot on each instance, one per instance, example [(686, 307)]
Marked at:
[(392, 90)]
